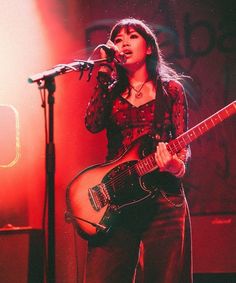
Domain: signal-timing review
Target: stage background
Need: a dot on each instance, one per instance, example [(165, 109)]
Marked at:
[(198, 37)]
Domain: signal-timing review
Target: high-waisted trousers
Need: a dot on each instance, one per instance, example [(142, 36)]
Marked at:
[(151, 243)]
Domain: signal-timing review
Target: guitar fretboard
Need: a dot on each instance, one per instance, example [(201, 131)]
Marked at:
[(148, 164)]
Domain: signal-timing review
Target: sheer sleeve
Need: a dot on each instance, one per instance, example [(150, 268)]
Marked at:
[(98, 107)]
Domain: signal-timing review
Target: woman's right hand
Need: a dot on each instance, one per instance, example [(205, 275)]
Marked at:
[(107, 67), (111, 45)]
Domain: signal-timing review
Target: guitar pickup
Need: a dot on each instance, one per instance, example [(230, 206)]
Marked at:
[(98, 196)]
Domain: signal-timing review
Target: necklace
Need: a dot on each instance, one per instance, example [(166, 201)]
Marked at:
[(138, 92)]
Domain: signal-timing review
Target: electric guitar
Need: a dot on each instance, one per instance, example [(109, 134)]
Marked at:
[(97, 194)]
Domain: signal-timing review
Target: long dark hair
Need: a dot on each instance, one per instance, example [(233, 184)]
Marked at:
[(156, 65)]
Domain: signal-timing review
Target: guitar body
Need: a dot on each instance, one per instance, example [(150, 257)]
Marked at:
[(97, 194)]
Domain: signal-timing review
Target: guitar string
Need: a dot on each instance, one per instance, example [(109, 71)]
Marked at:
[(118, 178), (119, 181), (124, 173), (121, 177)]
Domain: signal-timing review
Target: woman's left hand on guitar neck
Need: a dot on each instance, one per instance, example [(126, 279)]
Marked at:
[(168, 162)]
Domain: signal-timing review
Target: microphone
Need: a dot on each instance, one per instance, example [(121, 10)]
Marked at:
[(111, 54)]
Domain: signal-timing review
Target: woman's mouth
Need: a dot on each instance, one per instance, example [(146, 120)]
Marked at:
[(127, 52)]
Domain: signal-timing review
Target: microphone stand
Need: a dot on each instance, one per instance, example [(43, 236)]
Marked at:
[(50, 176), (46, 80)]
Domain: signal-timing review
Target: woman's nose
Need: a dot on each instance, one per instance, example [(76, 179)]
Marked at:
[(126, 42)]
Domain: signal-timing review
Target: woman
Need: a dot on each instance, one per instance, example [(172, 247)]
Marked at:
[(142, 96)]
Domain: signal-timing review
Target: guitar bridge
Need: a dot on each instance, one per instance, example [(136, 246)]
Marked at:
[(98, 196)]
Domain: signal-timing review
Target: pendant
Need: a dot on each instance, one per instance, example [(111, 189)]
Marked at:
[(138, 94)]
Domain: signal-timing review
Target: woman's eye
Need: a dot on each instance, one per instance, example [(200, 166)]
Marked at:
[(117, 40), (133, 36)]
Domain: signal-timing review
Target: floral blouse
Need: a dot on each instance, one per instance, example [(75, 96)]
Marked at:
[(125, 122)]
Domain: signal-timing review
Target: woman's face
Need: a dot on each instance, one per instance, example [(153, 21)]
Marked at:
[(133, 45)]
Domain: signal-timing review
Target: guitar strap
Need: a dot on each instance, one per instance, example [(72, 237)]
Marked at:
[(161, 106)]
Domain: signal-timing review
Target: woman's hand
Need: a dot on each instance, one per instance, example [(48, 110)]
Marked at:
[(108, 67), (110, 44), (168, 162)]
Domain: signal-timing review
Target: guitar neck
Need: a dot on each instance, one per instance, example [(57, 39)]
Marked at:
[(148, 164)]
